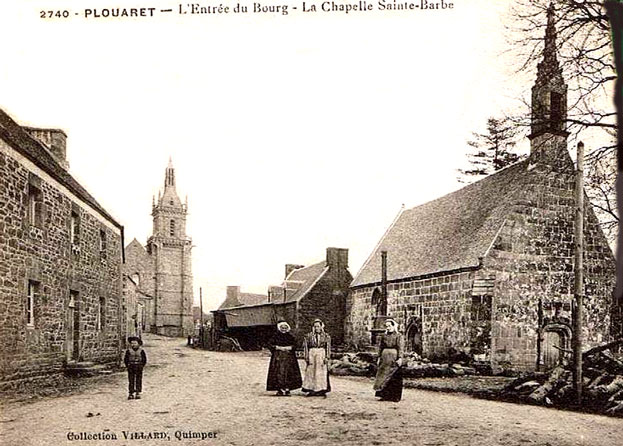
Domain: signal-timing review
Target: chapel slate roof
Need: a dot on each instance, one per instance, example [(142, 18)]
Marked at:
[(449, 233), (18, 138), (244, 299)]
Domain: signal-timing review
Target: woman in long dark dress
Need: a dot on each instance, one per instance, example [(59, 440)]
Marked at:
[(284, 373), (317, 350), (388, 383)]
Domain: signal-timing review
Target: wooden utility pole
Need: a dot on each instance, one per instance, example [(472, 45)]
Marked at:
[(578, 269), (201, 330), (384, 283), (201, 305)]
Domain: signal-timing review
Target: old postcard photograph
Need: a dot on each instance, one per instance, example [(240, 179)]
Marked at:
[(341, 222)]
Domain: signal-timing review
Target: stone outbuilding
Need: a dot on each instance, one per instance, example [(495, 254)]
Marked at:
[(487, 271), (137, 305), (307, 293), (60, 263)]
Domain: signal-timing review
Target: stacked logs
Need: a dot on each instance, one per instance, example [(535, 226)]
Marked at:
[(602, 387), (353, 364), (364, 364)]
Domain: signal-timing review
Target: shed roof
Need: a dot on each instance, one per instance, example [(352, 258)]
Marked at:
[(250, 316)]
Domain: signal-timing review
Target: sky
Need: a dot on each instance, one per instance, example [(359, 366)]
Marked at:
[(288, 133)]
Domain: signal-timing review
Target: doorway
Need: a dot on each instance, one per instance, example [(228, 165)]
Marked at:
[(414, 336), (555, 342), (73, 327)]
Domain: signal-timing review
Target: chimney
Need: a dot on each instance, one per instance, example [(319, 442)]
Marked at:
[(337, 258), (275, 293), (233, 293), (54, 140), (291, 267)]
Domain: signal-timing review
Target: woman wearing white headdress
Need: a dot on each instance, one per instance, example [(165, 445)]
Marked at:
[(388, 383), (317, 351), (284, 373)]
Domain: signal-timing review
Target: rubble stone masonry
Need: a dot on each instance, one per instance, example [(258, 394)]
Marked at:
[(532, 259), (442, 304), (39, 257)]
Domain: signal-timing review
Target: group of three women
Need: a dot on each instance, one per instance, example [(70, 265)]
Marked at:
[(284, 373)]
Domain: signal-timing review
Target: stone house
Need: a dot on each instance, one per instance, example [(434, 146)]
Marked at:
[(307, 293), (163, 268), (487, 271), (137, 306), (61, 255)]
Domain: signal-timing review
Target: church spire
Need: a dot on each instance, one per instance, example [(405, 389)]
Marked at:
[(549, 93), (169, 176), (549, 66)]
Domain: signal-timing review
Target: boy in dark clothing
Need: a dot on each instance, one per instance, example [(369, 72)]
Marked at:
[(135, 359)]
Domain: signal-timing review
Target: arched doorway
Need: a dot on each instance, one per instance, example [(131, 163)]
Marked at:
[(556, 340), (414, 336)]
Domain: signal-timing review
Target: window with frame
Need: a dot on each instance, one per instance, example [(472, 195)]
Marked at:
[(31, 297), (75, 228), (102, 243), (101, 317), (481, 308), (35, 206), (555, 109), (172, 228), (73, 298)]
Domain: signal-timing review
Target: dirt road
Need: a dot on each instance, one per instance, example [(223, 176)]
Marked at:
[(221, 397)]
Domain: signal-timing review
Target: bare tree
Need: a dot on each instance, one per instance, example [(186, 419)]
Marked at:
[(600, 188), (584, 50), (493, 150), (585, 53)]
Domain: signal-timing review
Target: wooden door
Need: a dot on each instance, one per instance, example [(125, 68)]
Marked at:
[(414, 337), (73, 328), (551, 355), (71, 308)]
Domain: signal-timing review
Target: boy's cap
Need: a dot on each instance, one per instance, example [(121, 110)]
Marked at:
[(135, 338)]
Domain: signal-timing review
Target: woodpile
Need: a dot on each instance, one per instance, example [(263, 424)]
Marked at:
[(353, 364), (364, 364), (602, 389), (227, 344)]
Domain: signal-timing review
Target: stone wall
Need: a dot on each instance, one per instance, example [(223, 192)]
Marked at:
[(326, 301), (139, 262), (140, 266), (287, 312), (533, 258), (442, 304), (42, 254), (174, 292)]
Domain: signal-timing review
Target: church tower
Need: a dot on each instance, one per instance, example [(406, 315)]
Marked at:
[(548, 137), (170, 249)]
